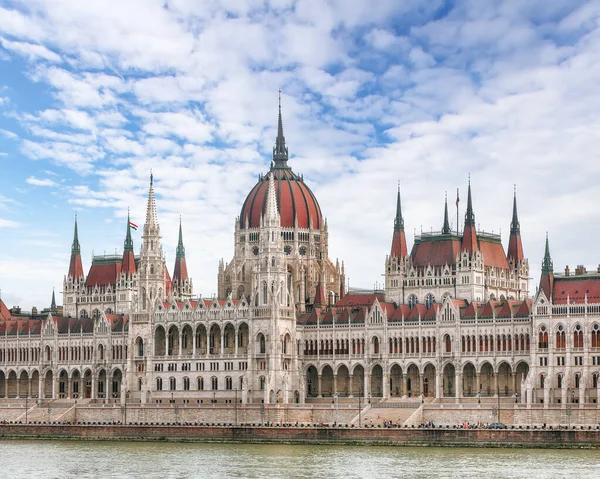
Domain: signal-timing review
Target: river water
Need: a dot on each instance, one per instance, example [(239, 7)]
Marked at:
[(103, 459)]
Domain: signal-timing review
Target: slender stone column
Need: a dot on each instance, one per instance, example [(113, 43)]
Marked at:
[(335, 390), (193, 344), (421, 384), (350, 379), (404, 386), (495, 375), (236, 334), (438, 384), (319, 377), (458, 386), (386, 386)]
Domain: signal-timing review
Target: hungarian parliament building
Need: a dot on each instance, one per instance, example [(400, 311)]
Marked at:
[(456, 318)]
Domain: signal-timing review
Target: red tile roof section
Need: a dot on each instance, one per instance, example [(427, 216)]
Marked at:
[(493, 254), (435, 253), (469, 240), (128, 265), (515, 248), (103, 274), (359, 300), (575, 289), (75, 266), (399, 248)]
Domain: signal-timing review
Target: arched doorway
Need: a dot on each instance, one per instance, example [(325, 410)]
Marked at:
[(377, 381), (486, 378), (429, 380), (412, 381), (358, 381), (311, 381), (469, 385), (159, 341), (187, 340), (449, 376), (396, 381), (343, 381), (327, 381), (200, 338), (505, 380)]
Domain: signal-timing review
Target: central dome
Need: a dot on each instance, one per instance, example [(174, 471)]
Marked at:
[(294, 200)]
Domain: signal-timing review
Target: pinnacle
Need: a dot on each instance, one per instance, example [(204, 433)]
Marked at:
[(151, 216), (180, 247), (469, 215), (446, 227), (514, 225), (547, 266), (75, 248), (128, 241), (280, 151), (399, 220)]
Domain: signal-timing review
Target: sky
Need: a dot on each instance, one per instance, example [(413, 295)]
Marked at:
[(96, 94)]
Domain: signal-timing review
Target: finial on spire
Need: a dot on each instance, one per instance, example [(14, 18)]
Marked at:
[(53, 303), (280, 151), (151, 177), (398, 220), (469, 215), (128, 246), (514, 225), (75, 248), (547, 266), (446, 228), (180, 248)]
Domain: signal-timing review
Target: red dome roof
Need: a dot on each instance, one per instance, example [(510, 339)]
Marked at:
[(294, 199)]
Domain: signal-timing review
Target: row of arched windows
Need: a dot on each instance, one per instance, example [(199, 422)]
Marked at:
[(520, 342), (214, 383), (19, 354), (561, 338)]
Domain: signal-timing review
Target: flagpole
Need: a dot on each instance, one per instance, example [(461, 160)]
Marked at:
[(457, 200)]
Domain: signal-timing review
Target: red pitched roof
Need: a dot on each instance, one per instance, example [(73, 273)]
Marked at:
[(469, 240), (493, 254), (515, 247), (128, 266), (435, 251), (4, 312), (575, 288), (359, 300), (103, 274), (399, 249)]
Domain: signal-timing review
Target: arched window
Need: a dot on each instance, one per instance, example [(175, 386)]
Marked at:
[(559, 382), (101, 352), (560, 338), (595, 337), (159, 384), (448, 342), (375, 345), (214, 383), (200, 384), (542, 381), (543, 338), (228, 383), (264, 292), (412, 300), (172, 384), (578, 337), (186, 384), (429, 300)]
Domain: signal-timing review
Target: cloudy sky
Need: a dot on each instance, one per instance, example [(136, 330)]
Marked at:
[(95, 94)]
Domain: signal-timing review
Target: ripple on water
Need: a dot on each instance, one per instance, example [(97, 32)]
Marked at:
[(87, 459)]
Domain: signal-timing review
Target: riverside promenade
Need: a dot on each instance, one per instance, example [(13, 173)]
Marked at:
[(581, 437)]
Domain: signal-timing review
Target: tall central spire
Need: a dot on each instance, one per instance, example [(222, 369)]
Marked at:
[(515, 246), (280, 151), (151, 216), (75, 265)]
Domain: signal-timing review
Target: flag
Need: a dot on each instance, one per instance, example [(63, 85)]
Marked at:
[(457, 198), (133, 225)]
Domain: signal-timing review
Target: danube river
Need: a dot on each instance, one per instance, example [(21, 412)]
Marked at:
[(82, 459)]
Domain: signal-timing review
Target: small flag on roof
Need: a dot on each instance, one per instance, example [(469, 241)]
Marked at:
[(133, 225), (457, 198)]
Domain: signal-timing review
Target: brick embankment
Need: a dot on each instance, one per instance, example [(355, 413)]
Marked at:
[(588, 438)]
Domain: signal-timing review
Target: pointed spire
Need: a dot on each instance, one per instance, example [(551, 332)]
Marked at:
[(151, 216), (469, 215), (469, 239), (271, 215), (515, 246), (75, 265), (53, 303), (128, 246), (180, 247), (446, 227), (514, 225), (280, 151), (399, 248), (75, 248), (547, 266), (398, 220)]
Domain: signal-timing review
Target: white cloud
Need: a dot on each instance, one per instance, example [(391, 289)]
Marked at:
[(8, 223), (32, 180), (30, 50)]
